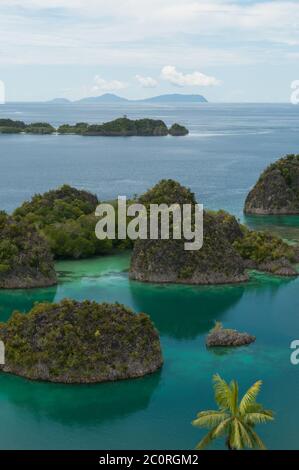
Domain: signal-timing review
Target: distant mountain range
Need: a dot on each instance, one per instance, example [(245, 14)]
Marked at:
[(110, 98)]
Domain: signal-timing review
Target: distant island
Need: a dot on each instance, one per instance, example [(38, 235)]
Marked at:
[(110, 98), (121, 127)]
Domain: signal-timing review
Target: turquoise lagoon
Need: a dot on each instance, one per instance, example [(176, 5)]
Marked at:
[(156, 411)]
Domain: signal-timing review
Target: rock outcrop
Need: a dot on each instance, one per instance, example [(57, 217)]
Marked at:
[(226, 337), (166, 261), (80, 342), (266, 252), (228, 250), (25, 257), (277, 190), (178, 130)]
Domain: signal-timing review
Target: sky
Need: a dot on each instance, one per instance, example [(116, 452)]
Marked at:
[(226, 50)]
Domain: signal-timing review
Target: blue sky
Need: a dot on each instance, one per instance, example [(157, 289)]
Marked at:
[(227, 50)]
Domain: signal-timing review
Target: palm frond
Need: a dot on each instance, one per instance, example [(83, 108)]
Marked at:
[(260, 417), (234, 396), (222, 427), (245, 435), (222, 392), (209, 419), (235, 438), (250, 396), (254, 407)]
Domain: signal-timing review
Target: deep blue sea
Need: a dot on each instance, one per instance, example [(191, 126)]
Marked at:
[(220, 160)]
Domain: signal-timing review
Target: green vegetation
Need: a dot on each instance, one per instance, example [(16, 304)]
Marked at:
[(217, 262), (178, 130), (97, 342), (262, 246), (277, 190), (75, 238), (78, 128), (25, 258), (8, 126), (57, 205), (39, 128), (121, 127), (167, 191), (65, 217), (228, 250), (235, 421), (127, 127)]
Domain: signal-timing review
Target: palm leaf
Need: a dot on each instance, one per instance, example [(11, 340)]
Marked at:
[(220, 429), (222, 392), (250, 396), (234, 396), (209, 419), (235, 439), (245, 435), (260, 417)]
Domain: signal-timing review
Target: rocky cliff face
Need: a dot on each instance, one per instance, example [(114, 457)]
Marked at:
[(229, 248), (277, 190), (25, 257), (217, 262), (80, 342)]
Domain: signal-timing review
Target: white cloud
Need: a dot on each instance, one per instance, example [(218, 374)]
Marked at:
[(146, 32), (172, 75), (146, 82), (107, 85)]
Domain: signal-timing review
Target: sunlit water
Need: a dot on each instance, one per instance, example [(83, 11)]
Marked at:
[(220, 160)]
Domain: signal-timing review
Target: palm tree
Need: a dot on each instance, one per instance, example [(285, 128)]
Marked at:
[(233, 420)]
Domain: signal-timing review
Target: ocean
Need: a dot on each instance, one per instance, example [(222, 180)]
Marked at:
[(228, 146)]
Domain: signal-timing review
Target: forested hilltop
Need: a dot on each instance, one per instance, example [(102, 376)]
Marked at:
[(121, 127), (66, 219)]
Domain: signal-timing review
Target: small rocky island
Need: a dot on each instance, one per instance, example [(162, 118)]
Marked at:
[(226, 337), (80, 342), (121, 127), (229, 248), (277, 190), (25, 257), (178, 130)]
